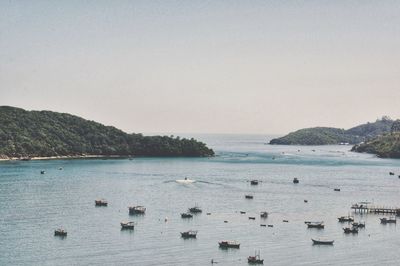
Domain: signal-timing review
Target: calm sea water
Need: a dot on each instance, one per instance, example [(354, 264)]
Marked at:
[(32, 206)]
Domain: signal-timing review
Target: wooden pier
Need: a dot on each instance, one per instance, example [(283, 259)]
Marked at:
[(365, 208)]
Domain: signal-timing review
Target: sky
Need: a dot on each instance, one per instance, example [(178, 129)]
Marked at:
[(261, 67)]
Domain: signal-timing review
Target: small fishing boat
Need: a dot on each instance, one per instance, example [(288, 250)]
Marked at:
[(390, 220), (186, 215), (248, 196), (60, 232), (137, 210), (264, 214), (229, 244), (358, 224), (189, 234), (254, 182), (318, 225), (185, 181), (127, 225), (242, 212), (60, 168), (263, 225), (352, 230), (305, 201), (255, 259), (391, 173), (336, 189), (322, 242), (252, 218), (100, 202), (344, 219), (296, 180), (285, 221), (42, 172), (195, 209), (270, 225)]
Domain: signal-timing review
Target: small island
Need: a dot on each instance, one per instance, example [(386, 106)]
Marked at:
[(334, 136), (45, 134)]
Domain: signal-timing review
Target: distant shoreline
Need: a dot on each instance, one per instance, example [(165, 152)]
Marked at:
[(65, 157)]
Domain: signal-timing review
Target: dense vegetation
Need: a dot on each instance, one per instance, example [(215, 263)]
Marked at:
[(385, 146), (329, 135), (44, 133)]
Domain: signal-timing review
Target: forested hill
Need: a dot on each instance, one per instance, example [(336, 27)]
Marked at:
[(384, 146), (329, 135), (45, 133)]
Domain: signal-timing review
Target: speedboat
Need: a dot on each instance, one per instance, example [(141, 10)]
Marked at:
[(185, 181)]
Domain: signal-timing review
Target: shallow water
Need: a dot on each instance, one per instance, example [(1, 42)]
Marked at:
[(33, 205)]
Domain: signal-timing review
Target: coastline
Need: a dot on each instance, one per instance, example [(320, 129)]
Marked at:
[(3, 159)]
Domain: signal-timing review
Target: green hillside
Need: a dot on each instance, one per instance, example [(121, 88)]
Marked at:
[(44, 133), (385, 146), (329, 135)]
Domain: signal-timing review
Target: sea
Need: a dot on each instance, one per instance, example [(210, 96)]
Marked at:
[(33, 205)]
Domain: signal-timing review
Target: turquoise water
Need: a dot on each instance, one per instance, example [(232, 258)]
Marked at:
[(32, 206)]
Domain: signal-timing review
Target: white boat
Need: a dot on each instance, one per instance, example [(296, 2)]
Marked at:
[(185, 181)]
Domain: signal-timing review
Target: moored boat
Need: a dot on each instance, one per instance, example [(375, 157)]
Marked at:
[(390, 220), (318, 225), (100, 202), (60, 232), (322, 241), (248, 196), (252, 218), (186, 215), (352, 230), (255, 259), (189, 234), (229, 244), (195, 209), (348, 219), (127, 225), (358, 224), (254, 182), (42, 172), (264, 214), (296, 180), (137, 210)]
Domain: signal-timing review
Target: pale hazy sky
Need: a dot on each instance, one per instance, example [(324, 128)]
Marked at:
[(203, 66)]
